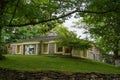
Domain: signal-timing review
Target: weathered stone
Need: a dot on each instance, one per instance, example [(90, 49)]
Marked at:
[(6, 74), (117, 62)]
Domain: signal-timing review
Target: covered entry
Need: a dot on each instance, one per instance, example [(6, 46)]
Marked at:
[(30, 49)]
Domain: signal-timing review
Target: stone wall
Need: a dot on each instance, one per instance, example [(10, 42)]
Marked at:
[(117, 62), (6, 74)]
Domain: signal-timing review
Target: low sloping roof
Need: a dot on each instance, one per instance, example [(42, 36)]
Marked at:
[(52, 35)]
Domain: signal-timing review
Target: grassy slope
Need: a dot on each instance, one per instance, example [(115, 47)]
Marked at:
[(41, 62)]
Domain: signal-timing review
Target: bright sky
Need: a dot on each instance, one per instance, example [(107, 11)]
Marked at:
[(69, 24)]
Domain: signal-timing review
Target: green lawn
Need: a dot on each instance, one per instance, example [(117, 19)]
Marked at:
[(58, 63)]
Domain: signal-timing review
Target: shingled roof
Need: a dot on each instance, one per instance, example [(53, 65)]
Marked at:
[(51, 35)]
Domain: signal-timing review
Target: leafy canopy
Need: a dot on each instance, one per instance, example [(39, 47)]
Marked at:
[(105, 27), (19, 13), (70, 40)]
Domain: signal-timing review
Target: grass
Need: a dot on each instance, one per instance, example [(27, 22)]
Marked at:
[(57, 63)]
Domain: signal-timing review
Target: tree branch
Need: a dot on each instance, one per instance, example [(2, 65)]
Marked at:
[(14, 13), (95, 12), (62, 16), (43, 21)]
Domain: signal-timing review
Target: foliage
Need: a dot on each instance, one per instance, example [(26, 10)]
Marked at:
[(70, 40), (104, 27), (20, 33), (15, 34), (19, 13), (22, 13), (59, 63)]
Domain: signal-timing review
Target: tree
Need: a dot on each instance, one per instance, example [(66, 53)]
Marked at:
[(20, 33), (105, 28), (69, 39), (19, 13), (17, 34)]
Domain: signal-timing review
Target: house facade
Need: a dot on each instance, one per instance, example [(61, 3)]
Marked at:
[(91, 53), (47, 45)]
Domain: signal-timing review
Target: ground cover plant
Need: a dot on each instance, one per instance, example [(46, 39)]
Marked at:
[(55, 62)]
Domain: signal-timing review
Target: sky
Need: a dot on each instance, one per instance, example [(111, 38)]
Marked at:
[(69, 23)]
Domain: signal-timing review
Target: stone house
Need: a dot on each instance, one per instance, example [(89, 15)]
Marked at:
[(47, 45)]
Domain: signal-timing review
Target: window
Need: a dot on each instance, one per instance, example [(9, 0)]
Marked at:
[(85, 53), (59, 49), (68, 50), (18, 48), (30, 49), (45, 47)]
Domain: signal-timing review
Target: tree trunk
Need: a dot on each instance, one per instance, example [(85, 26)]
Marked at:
[(1, 51), (116, 58), (116, 50), (116, 54), (2, 7)]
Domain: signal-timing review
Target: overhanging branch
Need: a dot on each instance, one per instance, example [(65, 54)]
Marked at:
[(14, 13), (62, 16), (43, 21), (95, 12)]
